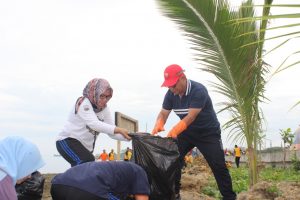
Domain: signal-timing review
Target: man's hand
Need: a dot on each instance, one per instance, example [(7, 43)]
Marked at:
[(177, 129), (159, 126)]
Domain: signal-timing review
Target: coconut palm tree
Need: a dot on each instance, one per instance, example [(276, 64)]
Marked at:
[(217, 42)]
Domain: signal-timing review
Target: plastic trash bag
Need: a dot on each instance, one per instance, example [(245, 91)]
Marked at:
[(160, 159), (31, 189)]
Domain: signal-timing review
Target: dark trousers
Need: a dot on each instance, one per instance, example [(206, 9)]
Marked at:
[(212, 150), (74, 152), (64, 192), (237, 161)]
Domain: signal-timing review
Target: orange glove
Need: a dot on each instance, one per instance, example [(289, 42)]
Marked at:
[(159, 126), (177, 129)]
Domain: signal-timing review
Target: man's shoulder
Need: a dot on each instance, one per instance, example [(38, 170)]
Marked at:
[(196, 84), (197, 88)]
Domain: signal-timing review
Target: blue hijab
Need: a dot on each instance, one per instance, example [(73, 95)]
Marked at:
[(19, 157)]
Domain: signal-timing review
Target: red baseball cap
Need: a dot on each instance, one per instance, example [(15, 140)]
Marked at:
[(171, 74)]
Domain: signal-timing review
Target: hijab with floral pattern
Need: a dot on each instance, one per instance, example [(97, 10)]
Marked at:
[(92, 91)]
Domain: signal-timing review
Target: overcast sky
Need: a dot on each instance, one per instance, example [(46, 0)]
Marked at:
[(49, 50)]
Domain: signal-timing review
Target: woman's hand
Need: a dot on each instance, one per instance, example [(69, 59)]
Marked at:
[(123, 132)]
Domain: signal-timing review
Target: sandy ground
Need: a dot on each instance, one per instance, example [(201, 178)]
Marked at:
[(196, 176), (47, 185)]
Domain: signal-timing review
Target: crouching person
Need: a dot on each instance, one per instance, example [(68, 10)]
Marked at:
[(19, 158), (101, 181)]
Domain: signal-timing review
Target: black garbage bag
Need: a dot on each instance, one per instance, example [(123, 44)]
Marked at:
[(31, 189), (160, 159)]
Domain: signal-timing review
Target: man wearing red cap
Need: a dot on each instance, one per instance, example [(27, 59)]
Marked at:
[(198, 126)]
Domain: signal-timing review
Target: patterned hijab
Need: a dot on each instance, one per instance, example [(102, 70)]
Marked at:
[(19, 157), (92, 91)]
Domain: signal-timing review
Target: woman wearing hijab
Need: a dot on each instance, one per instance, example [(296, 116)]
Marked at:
[(18, 159), (88, 118)]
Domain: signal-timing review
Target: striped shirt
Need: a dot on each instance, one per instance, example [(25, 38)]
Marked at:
[(196, 96)]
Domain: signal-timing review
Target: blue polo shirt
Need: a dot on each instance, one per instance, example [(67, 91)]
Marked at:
[(101, 178), (196, 96)]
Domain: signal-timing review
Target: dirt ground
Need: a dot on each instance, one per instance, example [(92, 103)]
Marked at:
[(195, 177), (263, 190), (47, 185)]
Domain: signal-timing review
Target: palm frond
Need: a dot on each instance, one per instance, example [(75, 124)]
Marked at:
[(272, 28), (297, 104), (281, 16), (282, 67), (271, 38), (280, 45), (288, 33)]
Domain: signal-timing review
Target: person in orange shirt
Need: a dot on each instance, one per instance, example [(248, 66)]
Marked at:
[(237, 154), (103, 156)]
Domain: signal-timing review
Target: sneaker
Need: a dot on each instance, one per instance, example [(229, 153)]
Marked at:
[(177, 196)]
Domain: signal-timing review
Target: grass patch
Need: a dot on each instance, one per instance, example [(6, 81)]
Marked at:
[(211, 189), (240, 180), (274, 191), (279, 174)]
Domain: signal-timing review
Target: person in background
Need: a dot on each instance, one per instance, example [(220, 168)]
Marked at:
[(101, 181), (111, 155), (225, 152), (19, 158), (128, 154), (237, 154), (103, 156), (89, 116), (198, 126)]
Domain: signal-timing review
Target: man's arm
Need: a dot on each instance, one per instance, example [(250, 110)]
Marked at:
[(191, 116), (163, 115), (184, 123)]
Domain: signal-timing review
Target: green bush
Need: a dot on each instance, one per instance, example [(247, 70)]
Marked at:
[(296, 163), (240, 179), (211, 191), (239, 182), (273, 191)]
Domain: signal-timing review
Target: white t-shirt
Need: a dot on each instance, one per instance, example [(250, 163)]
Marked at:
[(83, 125)]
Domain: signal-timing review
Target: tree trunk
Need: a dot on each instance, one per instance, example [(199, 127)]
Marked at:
[(284, 156), (252, 158)]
